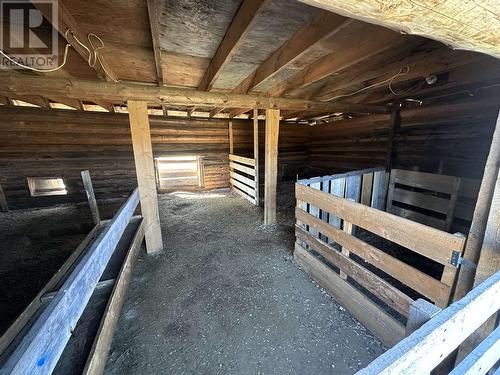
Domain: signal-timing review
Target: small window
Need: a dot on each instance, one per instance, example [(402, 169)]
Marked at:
[(44, 186), (179, 172)]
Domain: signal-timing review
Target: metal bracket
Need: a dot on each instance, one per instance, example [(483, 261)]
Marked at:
[(456, 258)]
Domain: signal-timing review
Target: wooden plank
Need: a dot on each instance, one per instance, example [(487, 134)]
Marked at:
[(256, 153), (243, 179), (408, 275), (98, 353), (271, 165), (242, 168), (423, 180), (421, 311), (379, 189), (314, 211), (244, 195), (89, 190), (3, 201), (386, 328), (23, 84), (482, 358), (338, 189), (250, 191), (143, 158), (242, 160), (308, 181), (154, 24), (231, 138), (41, 347), (391, 133), (366, 189), (380, 288), (427, 201), (459, 31), (236, 32), (425, 348), (427, 241), (418, 217)]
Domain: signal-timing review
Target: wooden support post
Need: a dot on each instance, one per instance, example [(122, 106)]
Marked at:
[(256, 153), (393, 128), (271, 165), (3, 202), (421, 311), (231, 140), (143, 156), (89, 190), (475, 238)]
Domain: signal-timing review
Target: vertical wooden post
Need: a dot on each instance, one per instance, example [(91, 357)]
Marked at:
[(3, 202), (89, 190), (271, 165), (393, 128), (143, 156), (231, 144), (256, 153), (475, 238)]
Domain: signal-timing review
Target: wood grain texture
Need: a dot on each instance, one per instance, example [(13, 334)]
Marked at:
[(271, 165)]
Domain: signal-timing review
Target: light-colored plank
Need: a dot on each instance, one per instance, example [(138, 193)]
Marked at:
[(256, 153), (248, 190), (427, 241), (144, 166), (154, 23), (423, 180), (366, 189), (408, 275), (380, 288), (244, 195), (242, 160), (271, 165), (243, 179), (386, 328), (89, 190), (231, 138), (242, 168)]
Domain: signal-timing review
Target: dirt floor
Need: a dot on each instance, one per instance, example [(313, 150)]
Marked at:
[(225, 297)]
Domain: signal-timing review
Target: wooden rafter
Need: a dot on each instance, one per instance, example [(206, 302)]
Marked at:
[(363, 44), (239, 27), (154, 22), (67, 21), (19, 84), (462, 24)]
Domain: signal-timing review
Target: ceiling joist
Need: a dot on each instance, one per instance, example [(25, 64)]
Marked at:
[(154, 22)]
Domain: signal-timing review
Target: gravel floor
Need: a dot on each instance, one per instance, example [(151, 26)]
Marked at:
[(225, 297)]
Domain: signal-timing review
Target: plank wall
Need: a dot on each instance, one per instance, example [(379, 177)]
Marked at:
[(448, 138)]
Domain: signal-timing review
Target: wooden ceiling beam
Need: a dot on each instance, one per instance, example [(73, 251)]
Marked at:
[(454, 22), (154, 23), (321, 27), (362, 45), (67, 21), (22, 84), (242, 21)]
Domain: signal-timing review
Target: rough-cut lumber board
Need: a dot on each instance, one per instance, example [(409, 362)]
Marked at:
[(89, 190), (477, 231), (271, 164), (242, 168), (65, 21), (98, 353), (386, 328), (482, 358), (393, 128), (452, 22), (256, 153), (242, 160), (423, 180), (243, 179), (154, 23), (250, 191), (430, 242), (236, 32), (144, 165), (244, 195), (421, 311), (118, 92), (408, 275), (366, 189), (3, 202), (231, 137), (424, 349), (380, 288), (379, 189), (41, 347)]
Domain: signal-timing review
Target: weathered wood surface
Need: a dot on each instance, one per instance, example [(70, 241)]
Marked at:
[(89, 190), (271, 165)]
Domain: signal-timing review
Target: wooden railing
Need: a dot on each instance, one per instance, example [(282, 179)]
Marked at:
[(326, 226), (428, 346), (243, 178)]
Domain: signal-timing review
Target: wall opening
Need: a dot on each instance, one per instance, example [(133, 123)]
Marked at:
[(179, 172), (45, 186)]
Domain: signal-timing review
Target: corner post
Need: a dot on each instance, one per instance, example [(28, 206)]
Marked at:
[(144, 165), (271, 165), (256, 153)]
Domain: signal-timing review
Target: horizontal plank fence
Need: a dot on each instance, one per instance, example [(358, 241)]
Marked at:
[(443, 202), (429, 347), (243, 177), (328, 212)]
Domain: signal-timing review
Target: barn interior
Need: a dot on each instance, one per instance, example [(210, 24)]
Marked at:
[(242, 186)]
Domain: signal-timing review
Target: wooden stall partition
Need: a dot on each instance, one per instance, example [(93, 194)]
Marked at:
[(436, 200), (346, 262), (243, 177)]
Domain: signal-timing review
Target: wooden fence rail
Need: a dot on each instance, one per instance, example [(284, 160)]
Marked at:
[(243, 177)]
